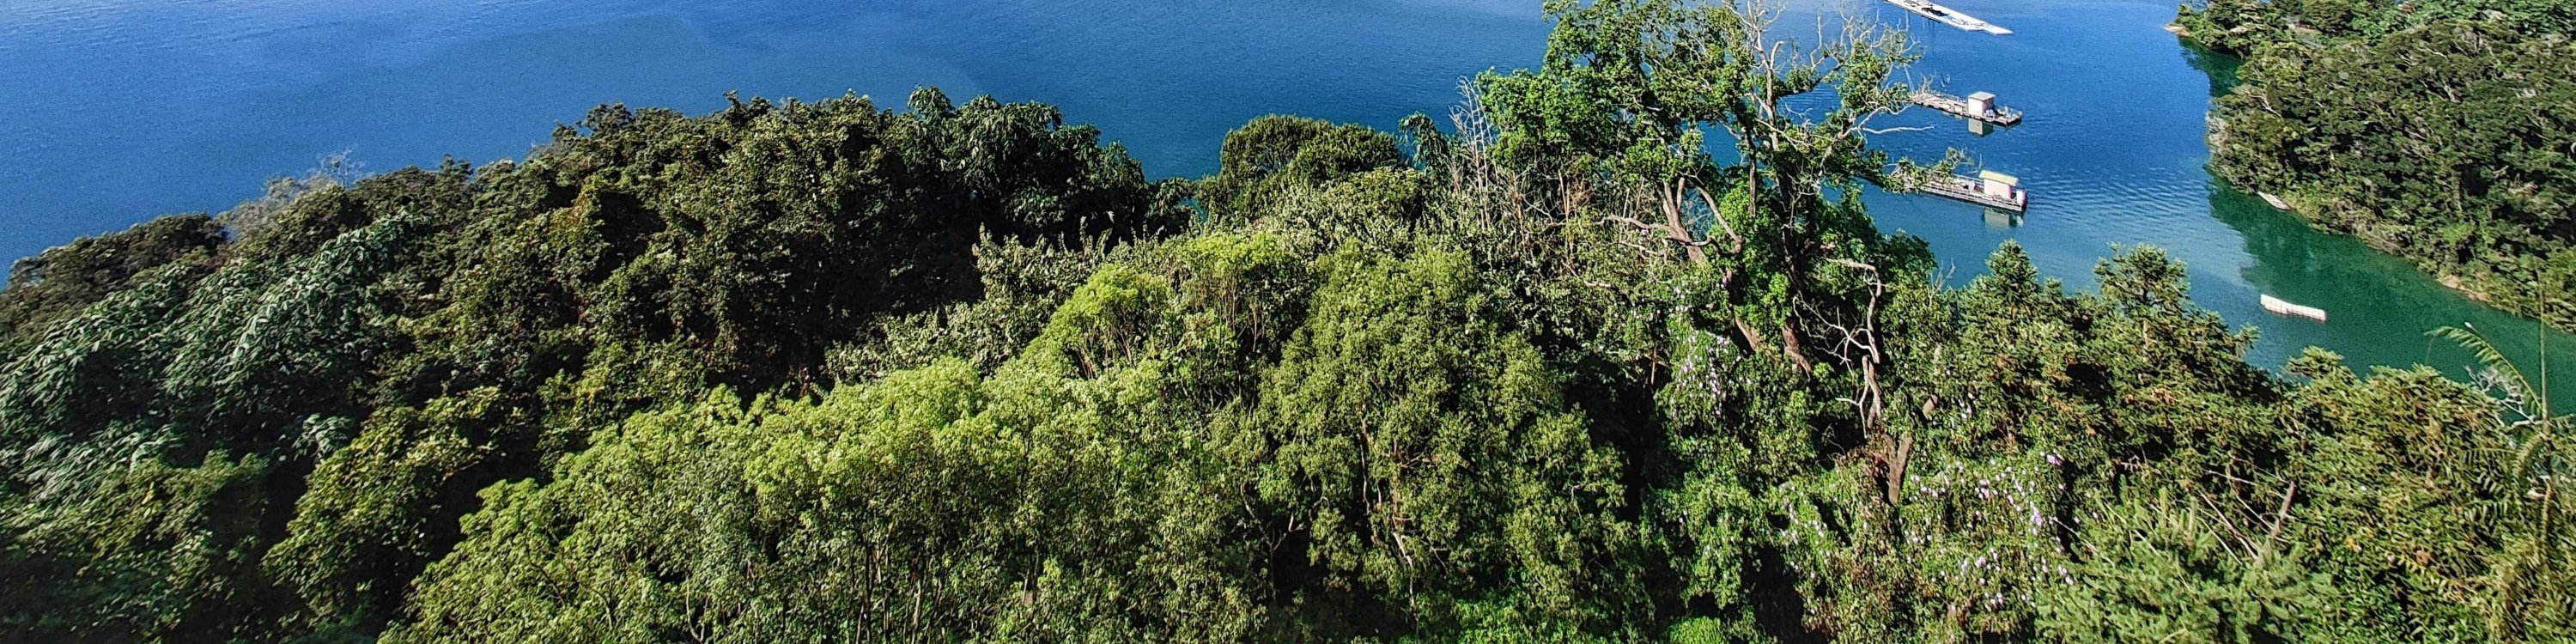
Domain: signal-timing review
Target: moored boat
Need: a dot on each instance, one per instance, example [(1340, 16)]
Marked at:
[(2280, 306), (1951, 17)]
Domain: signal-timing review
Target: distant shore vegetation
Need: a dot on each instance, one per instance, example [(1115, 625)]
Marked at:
[(2443, 131)]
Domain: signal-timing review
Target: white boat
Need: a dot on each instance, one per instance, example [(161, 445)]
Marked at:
[(1949, 16), (2280, 306)]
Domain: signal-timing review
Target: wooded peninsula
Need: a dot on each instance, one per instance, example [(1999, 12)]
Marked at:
[(1543, 368), (2443, 131)]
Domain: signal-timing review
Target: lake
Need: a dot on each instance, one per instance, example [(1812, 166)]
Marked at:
[(120, 110)]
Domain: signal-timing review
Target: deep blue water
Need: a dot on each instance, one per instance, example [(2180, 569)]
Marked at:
[(120, 110)]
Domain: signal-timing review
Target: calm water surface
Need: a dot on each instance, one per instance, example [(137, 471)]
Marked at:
[(118, 110)]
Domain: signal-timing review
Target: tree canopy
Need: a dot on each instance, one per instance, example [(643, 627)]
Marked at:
[(1550, 372), (2440, 130)]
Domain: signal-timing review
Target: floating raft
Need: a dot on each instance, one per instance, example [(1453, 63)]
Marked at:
[(1990, 189), (1949, 16), (1979, 106), (2280, 306)]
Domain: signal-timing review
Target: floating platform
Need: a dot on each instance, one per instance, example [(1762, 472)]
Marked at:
[(1979, 106), (1949, 16), (2280, 306), (1990, 189)]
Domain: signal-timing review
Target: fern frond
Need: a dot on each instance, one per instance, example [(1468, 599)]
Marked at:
[(2487, 355)]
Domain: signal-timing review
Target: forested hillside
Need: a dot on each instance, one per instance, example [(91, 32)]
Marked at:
[(2440, 130), (1545, 370)]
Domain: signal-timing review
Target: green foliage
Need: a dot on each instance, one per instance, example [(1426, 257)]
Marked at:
[(365, 521), (61, 281), (2158, 571), (2437, 130), (2246, 26), (930, 503), (1422, 454), (144, 551), (1273, 155), (462, 326), (1023, 283), (2444, 136), (822, 371)]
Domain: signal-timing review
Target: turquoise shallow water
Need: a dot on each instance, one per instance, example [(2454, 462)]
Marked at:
[(2114, 153), (118, 110)]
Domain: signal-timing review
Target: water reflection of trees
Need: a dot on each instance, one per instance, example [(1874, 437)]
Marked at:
[(2220, 67), (2382, 304)]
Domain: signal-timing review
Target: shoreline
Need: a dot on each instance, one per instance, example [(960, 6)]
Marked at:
[(2472, 289)]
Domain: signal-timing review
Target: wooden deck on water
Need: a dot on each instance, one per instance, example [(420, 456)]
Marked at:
[(1971, 190), (1956, 106), (1949, 16)]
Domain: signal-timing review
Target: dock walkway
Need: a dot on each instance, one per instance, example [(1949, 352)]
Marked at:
[(1949, 16), (1961, 107), (1974, 190)]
